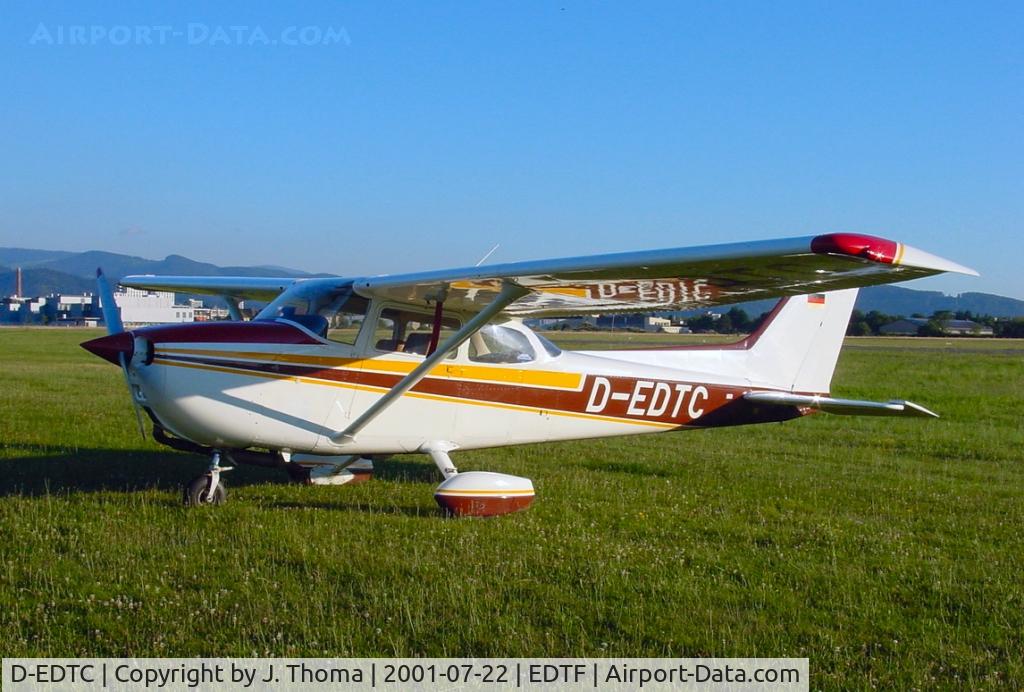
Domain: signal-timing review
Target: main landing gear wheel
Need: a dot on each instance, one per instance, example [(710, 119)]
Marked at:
[(477, 493), (297, 473)]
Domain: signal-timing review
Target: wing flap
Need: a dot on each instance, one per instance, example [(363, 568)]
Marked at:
[(846, 407)]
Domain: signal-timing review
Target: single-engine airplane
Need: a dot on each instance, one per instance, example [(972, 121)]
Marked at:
[(335, 372)]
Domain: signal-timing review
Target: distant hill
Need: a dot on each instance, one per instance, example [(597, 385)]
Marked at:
[(50, 271), (24, 258), (896, 300), (41, 282), (83, 264)]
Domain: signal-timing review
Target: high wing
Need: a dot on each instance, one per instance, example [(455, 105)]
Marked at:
[(263, 288), (674, 279)]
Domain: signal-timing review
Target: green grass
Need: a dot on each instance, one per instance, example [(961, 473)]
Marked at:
[(888, 552)]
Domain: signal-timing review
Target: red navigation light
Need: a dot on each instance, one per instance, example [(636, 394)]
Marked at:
[(855, 245)]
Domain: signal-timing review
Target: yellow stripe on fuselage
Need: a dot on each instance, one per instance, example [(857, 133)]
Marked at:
[(416, 395), (458, 371)]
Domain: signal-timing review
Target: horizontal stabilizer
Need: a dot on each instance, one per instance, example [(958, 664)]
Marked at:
[(846, 407)]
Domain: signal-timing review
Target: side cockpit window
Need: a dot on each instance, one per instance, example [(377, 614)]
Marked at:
[(408, 331), (345, 319), (498, 344)]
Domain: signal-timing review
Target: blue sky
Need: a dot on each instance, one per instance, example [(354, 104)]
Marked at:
[(416, 136)]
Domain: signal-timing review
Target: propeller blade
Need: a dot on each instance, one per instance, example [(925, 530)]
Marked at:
[(111, 313), (112, 318), (131, 393)]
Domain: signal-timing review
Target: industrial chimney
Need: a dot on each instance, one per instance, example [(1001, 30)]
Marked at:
[(17, 283)]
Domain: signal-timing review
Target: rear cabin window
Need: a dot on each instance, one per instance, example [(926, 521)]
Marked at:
[(409, 331), (497, 344)]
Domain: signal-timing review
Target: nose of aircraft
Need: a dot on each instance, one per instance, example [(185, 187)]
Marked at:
[(112, 346)]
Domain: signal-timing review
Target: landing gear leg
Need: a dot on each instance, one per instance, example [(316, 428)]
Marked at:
[(297, 473), (439, 453), (207, 489)]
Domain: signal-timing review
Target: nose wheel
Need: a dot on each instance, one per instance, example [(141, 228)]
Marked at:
[(207, 489)]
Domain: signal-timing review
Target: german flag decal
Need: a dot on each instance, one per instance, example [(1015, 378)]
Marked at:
[(816, 299)]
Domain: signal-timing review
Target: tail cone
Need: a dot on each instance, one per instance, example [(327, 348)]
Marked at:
[(112, 346)]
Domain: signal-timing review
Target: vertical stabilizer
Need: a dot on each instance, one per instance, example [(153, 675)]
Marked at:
[(794, 350), (798, 349)]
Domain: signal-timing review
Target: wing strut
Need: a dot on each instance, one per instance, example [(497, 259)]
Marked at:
[(234, 312), (510, 293)]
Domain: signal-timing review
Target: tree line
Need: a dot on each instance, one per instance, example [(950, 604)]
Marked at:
[(870, 323), (737, 321)]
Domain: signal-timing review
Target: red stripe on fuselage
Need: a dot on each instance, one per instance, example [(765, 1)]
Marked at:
[(626, 398), (255, 332)]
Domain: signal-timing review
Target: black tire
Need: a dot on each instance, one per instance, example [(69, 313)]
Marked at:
[(195, 492), (297, 473)]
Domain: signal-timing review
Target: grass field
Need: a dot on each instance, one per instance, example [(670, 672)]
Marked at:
[(889, 552)]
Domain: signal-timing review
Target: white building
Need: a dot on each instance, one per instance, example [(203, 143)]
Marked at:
[(63, 308), (152, 307), (64, 302), (10, 309)]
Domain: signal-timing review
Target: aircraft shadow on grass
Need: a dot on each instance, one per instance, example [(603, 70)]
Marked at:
[(40, 470), (37, 470)]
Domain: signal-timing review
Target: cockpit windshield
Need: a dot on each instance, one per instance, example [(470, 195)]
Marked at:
[(500, 344), (332, 314)]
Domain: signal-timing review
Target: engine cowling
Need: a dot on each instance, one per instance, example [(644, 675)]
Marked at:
[(484, 494)]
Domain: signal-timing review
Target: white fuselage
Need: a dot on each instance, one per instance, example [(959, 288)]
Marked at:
[(297, 396)]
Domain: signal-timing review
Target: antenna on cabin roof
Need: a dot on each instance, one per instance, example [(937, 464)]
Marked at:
[(489, 253)]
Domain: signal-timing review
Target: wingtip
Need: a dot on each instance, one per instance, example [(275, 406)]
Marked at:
[(885, 251), (915, 257)]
